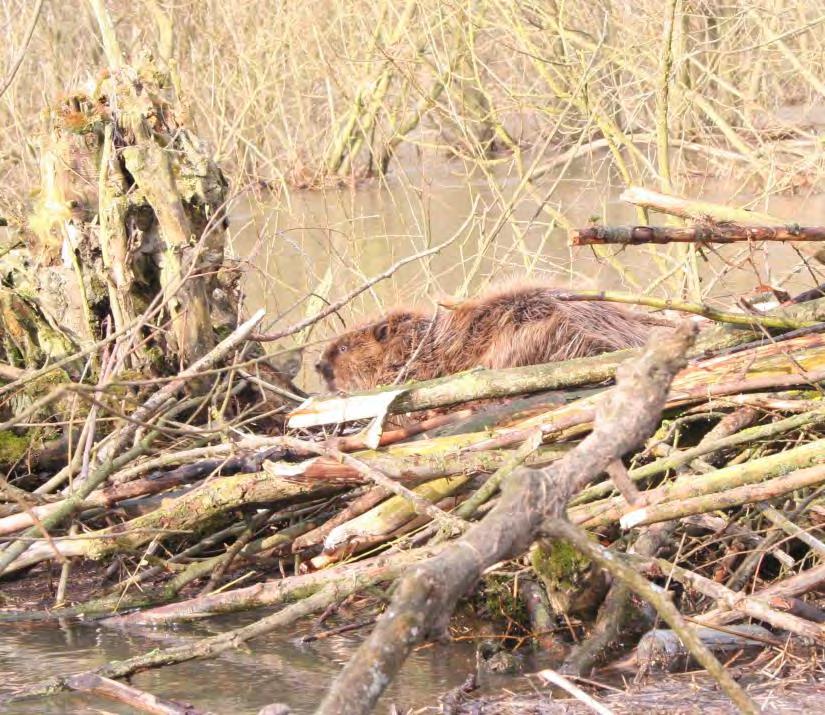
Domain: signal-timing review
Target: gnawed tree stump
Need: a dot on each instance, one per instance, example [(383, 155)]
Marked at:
[(128, 226)]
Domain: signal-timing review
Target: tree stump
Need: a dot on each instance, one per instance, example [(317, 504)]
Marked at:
[(127, 230)]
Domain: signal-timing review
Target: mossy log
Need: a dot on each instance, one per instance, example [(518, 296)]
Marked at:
[(278, 482), (182, 515)]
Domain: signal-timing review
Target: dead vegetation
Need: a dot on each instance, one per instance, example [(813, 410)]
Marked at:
[(595, 499)]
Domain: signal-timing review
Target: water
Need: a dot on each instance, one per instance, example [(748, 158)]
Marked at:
[(330, 242), (277, 669)]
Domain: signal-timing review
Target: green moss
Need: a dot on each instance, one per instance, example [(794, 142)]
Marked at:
[(558, 563), (13, 446), (222, 331), (45, 383), (499, 600), (155, 362)]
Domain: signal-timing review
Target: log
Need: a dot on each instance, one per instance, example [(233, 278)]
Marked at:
[(678, 497), (425, 597), (271, 593), (753, 606), (662, 650), (711, 233), (696, 210), (180, 515), (137, 699)]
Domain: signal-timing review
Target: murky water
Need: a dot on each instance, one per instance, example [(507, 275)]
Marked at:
[(332, 241), (276, 669), (329, 242)]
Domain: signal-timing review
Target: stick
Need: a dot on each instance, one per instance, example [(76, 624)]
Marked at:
[(658, 598), (697, 210), (719, 233), (120, 439), (119, 692), (551, 676), (766, 321), (426, 595)]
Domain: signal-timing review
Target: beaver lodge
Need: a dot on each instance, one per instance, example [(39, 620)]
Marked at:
[(576, 462)]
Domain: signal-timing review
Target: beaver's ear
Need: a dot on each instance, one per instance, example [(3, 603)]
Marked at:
[(381, 331)]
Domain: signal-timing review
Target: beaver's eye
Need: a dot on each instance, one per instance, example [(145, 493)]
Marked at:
[(342, 348)]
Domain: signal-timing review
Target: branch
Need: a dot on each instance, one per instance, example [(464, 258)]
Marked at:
[(719, 233), (766, 321), (426, 595), (659, 598), (696, 210)]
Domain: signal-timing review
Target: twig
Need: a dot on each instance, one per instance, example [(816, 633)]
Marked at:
[(657, 597), (766, 321), (120, 439), (551, 676), (337, 305), (23, 47), (425, 597), (782, 521)]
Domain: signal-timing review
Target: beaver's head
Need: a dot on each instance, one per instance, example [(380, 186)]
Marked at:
[(371, 354)]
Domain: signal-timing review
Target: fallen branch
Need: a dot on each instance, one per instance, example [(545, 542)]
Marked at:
[(746, 494), (272, 593), (656, 596), (720, 316), (426, 596), (714, 233), (179, 515), (752, 606), (697, 210), (121, 438), (333, 592), (671, 496), (120, 692)]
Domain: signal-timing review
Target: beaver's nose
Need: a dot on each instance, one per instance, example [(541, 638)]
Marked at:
[(324, 367)]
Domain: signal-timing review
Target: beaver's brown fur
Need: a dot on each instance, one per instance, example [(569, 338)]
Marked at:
[(508, 327)]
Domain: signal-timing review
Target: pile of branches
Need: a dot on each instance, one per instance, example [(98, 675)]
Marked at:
[(700, 472), (693, 479)]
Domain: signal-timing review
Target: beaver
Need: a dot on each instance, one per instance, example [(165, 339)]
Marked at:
[(511, 326)]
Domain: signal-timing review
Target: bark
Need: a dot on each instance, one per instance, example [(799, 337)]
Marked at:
[(663, 651), (181, 515), (712, 233), (130, 210), (137, 699), (426, 596), (271, 593)]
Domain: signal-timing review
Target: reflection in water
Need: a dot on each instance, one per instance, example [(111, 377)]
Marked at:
[(277, 670)]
